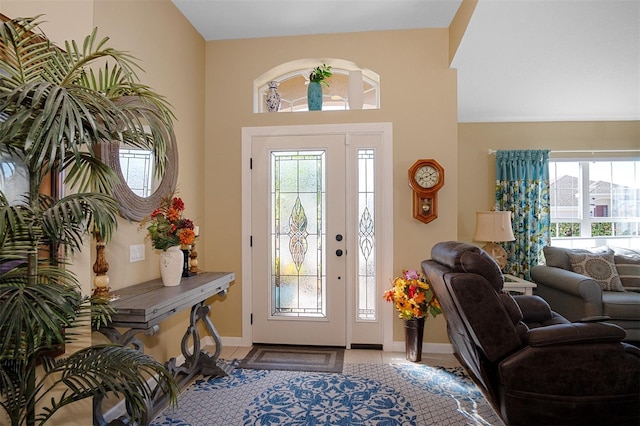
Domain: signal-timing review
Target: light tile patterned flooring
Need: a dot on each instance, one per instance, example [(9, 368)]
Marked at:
[(361, 356)]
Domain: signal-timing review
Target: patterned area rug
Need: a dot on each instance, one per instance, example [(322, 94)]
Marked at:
[(294, 358), (364, 394)]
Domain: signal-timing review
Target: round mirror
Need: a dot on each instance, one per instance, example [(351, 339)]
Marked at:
[(135, 204)]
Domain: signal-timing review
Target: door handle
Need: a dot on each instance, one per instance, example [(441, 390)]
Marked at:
[(339, 252)]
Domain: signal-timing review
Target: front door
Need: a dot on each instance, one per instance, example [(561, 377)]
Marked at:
[(315, 275)]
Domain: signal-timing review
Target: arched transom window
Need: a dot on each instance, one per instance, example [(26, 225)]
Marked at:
[(293, 79)]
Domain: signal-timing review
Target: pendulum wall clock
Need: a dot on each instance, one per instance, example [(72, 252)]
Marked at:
[(426, 177)]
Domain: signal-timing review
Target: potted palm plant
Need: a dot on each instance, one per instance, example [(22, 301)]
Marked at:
[(57, 106)]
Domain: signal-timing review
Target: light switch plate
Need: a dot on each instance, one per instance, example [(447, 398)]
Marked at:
[(136, 253)]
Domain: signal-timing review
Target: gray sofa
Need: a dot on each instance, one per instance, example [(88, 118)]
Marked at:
[(577, 296)]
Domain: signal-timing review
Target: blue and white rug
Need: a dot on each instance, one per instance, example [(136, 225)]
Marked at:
[(364, 394)]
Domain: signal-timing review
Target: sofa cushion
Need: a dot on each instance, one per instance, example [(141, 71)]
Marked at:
[(598, 266), (557, 256), (621, 306)]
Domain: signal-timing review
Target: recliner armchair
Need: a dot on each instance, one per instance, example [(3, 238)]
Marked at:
[(535, 366)]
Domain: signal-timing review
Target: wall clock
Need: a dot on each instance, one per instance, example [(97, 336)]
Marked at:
[(426, 177)]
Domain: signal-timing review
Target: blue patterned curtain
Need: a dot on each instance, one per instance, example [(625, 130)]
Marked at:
[(522, 187)]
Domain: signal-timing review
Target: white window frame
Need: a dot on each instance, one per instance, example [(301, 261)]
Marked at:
[(303, 67), (585, 218)]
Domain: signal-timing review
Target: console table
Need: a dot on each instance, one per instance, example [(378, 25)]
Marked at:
[(141, 308)]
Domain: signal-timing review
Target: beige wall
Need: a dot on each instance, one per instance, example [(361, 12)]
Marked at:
[(418, 95), (476, 183), (172, 55)]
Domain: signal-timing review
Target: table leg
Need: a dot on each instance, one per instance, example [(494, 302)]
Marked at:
[(127, 339), (198, 361)]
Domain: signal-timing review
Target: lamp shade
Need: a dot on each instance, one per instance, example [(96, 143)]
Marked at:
[(493, 226)]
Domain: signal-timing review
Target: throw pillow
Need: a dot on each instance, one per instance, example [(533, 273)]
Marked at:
[(629, 270), (558, 256), (598, 266)]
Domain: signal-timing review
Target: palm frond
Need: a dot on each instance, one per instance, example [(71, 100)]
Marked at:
[(13, 399), (20, 233), (104, 369), (23, 49), (86, 172), (101, 311), (32, 316), (92, 49), (71, 217)]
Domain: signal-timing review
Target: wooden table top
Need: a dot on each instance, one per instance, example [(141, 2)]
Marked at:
[(146, 304)]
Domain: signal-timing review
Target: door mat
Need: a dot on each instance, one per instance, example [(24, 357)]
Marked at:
[(294, 358)]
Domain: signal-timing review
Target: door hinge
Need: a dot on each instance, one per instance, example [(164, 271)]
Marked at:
[(251, 163), (251, 241), (251, 320)]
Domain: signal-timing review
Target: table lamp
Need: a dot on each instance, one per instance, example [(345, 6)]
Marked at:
[(492, 227)]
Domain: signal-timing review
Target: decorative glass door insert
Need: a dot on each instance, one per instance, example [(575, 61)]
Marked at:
[(298, 237), (367, 289)]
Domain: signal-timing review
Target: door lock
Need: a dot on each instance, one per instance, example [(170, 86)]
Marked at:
[(339, 252)]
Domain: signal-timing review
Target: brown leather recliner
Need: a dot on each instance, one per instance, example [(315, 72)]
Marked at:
[(536, 367)]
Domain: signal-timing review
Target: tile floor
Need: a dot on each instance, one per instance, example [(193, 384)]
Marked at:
[(362, 356)]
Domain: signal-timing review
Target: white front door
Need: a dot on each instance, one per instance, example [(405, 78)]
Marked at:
[(316, 274)]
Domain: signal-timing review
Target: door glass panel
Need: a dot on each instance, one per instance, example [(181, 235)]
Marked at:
[(298, 237), (367, 300)]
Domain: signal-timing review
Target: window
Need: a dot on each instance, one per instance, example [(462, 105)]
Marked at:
[(293, 77), (594, 202)]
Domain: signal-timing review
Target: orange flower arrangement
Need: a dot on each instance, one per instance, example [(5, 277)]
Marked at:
[(167, 227), (413, 296)]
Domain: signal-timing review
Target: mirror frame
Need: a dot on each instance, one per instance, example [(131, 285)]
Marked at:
[(133, 206)]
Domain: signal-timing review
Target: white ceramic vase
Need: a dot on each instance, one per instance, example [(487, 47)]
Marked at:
[(171, 262)]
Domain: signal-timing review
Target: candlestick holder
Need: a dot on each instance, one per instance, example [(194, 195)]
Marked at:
[(186, 268)]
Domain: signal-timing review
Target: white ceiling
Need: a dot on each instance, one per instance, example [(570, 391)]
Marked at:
[(520, 60)]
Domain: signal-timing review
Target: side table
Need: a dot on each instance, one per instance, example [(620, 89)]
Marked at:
[(519, 285)]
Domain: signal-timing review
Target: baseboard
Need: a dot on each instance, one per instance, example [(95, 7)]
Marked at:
[(230, 341), (398, 346)]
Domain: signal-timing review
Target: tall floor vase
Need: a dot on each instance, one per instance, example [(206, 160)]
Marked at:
[(171, 262), (413, 334)]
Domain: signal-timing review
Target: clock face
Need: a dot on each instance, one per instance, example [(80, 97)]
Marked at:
[(427, 176)]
